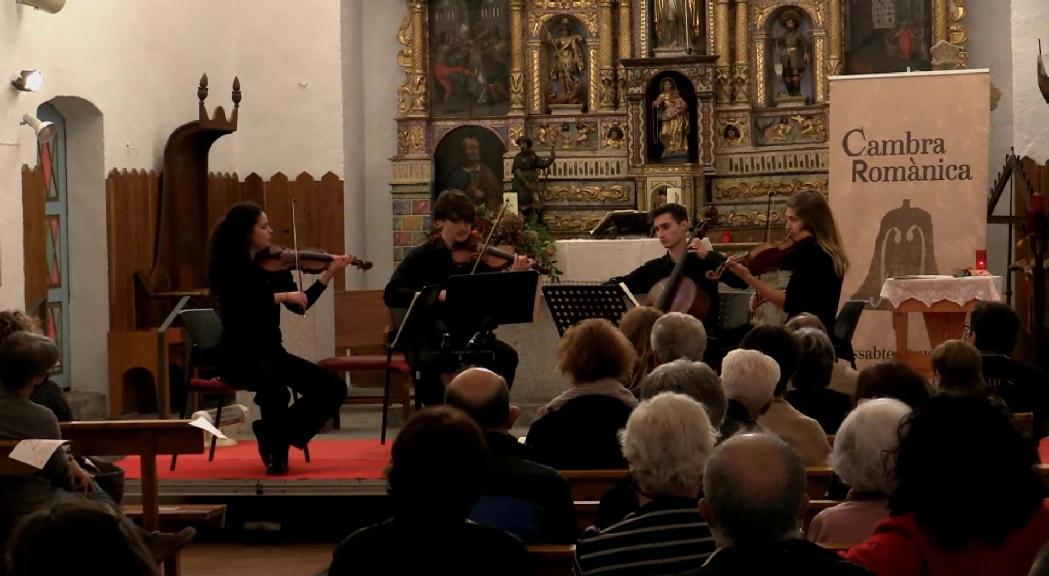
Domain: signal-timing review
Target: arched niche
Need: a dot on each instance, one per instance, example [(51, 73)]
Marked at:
[(791, 59), (654, 146), (470, 158)]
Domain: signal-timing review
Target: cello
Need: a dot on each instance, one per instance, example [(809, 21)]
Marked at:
[(677, 293)]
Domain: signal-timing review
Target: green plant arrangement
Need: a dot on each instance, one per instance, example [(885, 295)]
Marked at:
[(530, 238)]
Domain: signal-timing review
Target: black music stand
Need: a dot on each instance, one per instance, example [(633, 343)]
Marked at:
[(623, 224), (478, 303), (570, 304)]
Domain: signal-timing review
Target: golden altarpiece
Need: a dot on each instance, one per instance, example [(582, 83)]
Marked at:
[(721, 103)]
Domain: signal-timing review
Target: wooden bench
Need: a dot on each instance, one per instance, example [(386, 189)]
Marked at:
[(146, 439), (586, 513), (553, 559), (175, 517), (592, 484)]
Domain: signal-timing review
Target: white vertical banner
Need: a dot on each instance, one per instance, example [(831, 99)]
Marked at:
[(908, 186)]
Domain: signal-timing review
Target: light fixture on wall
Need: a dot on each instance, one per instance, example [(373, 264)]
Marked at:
[(51, 6), (45, 131), (28, 81)]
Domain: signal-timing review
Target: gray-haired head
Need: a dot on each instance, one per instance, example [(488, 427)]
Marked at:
[(666, 443), (816, 361), (865, 446), (694, 379), (749, 377), (678, 335), (754, 491)]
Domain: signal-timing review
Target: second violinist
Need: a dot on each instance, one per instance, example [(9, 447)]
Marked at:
[(816, 261)]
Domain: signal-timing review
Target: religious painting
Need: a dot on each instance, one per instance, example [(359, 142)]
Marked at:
[(791, 68), (565, 40), (678, 26), (469, 58), (470, 158), (671, 119), (566, 135), (883, 36), (790, 129)]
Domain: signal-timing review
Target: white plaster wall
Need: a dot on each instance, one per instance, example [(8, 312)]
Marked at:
[(1030, 21)]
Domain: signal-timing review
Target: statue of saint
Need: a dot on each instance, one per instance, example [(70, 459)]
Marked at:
[(677, 23), (568, 65), (525, 181), (671, 119), (793, 52)]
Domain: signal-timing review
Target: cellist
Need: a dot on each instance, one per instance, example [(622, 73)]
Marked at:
[(671, 225)]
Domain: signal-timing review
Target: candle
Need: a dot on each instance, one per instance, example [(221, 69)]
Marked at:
[(726, 237), (981, 259), (1038, 202)]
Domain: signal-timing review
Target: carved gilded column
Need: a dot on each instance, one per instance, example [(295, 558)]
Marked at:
[(723, 72), (626, 49), (517, 56), (417, 77), (939, 23), (741, 73), (835, 29), (605, 55)]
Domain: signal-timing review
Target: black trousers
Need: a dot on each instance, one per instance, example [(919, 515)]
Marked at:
[(270, 376), (430, 362)]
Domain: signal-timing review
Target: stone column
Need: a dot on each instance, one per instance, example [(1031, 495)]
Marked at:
[(606, 72), (834, 36), (417, 84), (723, 72), (626, 48), (517, 57), (741, 73)]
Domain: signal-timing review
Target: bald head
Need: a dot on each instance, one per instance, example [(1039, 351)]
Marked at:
[(483, 395), (754, 487)]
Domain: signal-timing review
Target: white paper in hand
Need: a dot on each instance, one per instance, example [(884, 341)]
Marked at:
[(36, 453), (206, 425)]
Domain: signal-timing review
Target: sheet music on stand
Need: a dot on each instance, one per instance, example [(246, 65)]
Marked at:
[(570, 304)]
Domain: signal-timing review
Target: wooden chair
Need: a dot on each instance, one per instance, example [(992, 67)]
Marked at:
[(146, 439), (553, 559), (362, 327)]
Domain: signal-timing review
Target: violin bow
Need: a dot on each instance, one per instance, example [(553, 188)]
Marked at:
[(295, 246), (484, 247)]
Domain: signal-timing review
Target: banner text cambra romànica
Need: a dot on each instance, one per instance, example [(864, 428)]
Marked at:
[(908, 185)]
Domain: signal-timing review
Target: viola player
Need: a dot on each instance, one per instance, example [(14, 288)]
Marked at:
[(250, 353), (431, 264), (816, 261)]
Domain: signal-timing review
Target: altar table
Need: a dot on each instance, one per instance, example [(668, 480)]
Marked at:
[(598, 260)]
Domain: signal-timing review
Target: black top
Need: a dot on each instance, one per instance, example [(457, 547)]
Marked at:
[(581, 435), (794, 556), (250, 317), (665, 536), (1024, 387), (50, 395), (512, 477), (467, 549), (641, 280), (826, 406), (814, 286), (428, 264)]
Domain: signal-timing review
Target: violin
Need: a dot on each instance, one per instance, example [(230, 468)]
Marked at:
[(500, 257), (677, 293), (311, 261), (765, 257)]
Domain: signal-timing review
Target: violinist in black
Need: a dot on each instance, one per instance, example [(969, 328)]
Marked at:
[(431, 264), (671, 225), (817, 262), (250, 353)]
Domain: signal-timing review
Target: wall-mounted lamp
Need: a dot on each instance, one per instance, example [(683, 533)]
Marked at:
[(28, 81), (51, 6), (45, 131)]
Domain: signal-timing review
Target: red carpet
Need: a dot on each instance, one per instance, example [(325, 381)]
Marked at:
[(1043, 450), (329, 460)]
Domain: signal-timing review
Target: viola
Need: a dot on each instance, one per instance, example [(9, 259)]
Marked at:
[(677, 293), (765, 257), (310, 261)]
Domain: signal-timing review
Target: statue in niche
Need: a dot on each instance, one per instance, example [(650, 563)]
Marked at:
[(671, 120), (568, 63), (525, 182), (793, 48), (677, 23)]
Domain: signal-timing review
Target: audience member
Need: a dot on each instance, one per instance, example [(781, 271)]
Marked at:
[(892, 380), (636, 325), (48, 394), (524, 498), (436, 473), (694, 379), (666, 443), (754, 500), (811, 395), (843, 378), (956, 369), (1024, 387), (577, 430), (864, 457), (968, 499), (803, 433), (26, 359), (749, 379), (71, 536), (678, 335)]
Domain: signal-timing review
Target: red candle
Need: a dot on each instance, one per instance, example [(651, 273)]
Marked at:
[(1038, 202), (981, 259), (726, 237)]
